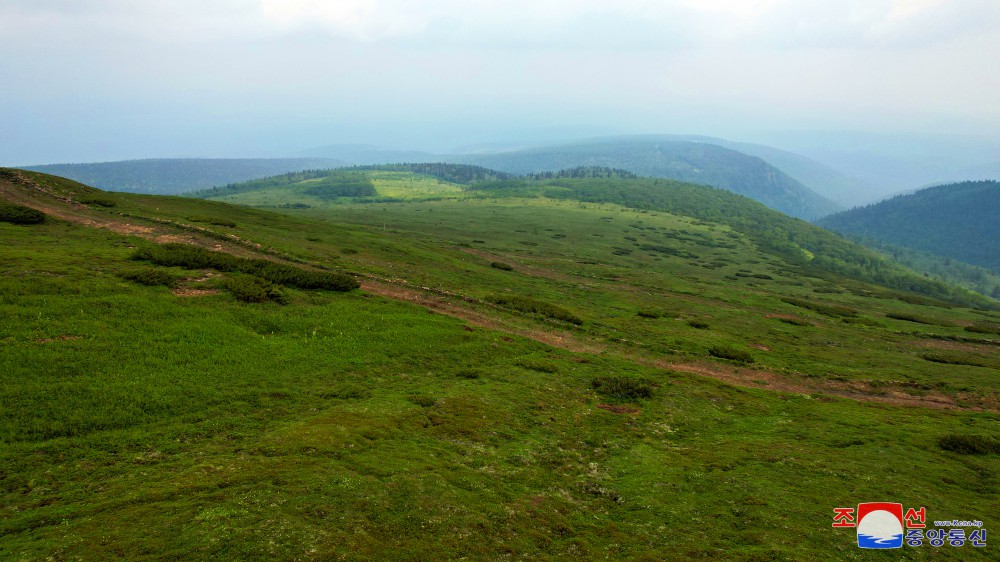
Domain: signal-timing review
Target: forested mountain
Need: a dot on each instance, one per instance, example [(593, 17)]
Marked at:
[(694, 162), (170, 176), (957, 221)]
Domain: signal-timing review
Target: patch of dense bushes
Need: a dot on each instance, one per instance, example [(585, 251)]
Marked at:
[(247, 288), (730, 353), (833, 310), (215, 221), (978, 328), (623, 387), (19, 214), (913, 318), (501, 266), (99, 201), (193, 257), (150, 276), (954, 359), (532, 306), (970, 444)]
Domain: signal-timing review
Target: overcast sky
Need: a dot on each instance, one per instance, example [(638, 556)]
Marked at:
[(90, 80)]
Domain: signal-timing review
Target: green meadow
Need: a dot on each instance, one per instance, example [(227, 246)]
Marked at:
[(451, 408)]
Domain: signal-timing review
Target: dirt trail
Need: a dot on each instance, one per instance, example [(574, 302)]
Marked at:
[(449, 304)]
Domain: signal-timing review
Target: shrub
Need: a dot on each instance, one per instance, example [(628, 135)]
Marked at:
[(910, 318), (99, 201), (623, 387), (19, 214), (150, 276), (422, 400), (253, 289), (210, 220), (795, 322), (983, 328), (646, 313), (469, 374), (954, 359), (833, 310), (970, 444), (193, 257), (502, 266), (540, 366), (532, 306), (701, 325), (732, 354)]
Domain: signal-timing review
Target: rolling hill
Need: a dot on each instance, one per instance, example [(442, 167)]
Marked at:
[(695, 162), (957, 221), (589, 365), (172, 176)]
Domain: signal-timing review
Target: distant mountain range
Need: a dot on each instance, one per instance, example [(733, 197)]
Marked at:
[(695, 162), (957, 221), (172, 176)]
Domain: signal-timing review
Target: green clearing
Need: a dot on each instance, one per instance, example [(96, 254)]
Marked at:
[(136, 424)]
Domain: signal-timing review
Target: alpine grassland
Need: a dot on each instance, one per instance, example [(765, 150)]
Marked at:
[(713, 392)]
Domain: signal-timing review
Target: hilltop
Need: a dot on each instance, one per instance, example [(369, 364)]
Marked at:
[(695, 162), (956, 221), (583, 364)]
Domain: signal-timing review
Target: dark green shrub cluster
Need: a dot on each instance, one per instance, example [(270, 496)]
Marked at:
[(970, 444), (346, 391), (247, 288), (532, 306), (422, 400), (211, 220), (910, 318), (983, 328), (502, 266), (646, 313), (150, 276), (623, 387), (193, 257), (469, 374), (795, 322), (833, 310), (540, 366), (99, 201), (19, 214), (954, 359), (700, 324), (731, 353), (754, 275)]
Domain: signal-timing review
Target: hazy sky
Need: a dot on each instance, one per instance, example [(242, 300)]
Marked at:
[(87, 80)]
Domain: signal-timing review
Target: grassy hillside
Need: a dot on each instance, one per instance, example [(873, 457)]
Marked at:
[(715, 400), (695, 162), (170, 176), (955, 221)]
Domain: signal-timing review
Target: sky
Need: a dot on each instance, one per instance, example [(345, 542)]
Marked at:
[(100, 80)]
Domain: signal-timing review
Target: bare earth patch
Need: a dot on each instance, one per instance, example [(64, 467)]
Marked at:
[(58, 338), (186, 292)]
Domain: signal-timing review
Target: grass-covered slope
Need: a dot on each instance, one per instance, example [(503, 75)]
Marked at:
[(696, 162), (170, 176), (449, 408), (956, 221)]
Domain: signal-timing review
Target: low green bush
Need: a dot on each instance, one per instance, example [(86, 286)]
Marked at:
[(733, 354), (193, 257), (532, 306), (99, 201), (247, 288), (623, 387), (19, 214), (501, 266), (212, 220), (699, 324), (970, 444), (955, 359), (833, 310), (150, 276)]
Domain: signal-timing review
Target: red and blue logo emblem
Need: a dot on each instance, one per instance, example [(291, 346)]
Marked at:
[(880, 525)]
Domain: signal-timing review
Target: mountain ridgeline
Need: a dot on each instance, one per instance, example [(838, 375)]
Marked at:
[(694, 162), (816, 250), (956, 221), (172, 176)]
